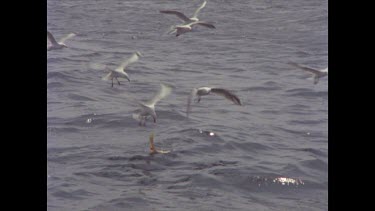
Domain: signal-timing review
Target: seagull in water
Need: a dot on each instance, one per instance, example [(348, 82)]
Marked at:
[(181, 29), (317, 73), (148, 108), (206, 91), (119, 72), (52, 44), (185, 19)]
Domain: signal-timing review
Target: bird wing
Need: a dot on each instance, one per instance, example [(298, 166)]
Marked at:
[(190, 98), (62, 40), (163, 92), (179, 14), (209, 25), (144, 106), (172, 29), (127, 62), (51, 39), (311, 70), (225, 93), (199, 9), (108, 76)]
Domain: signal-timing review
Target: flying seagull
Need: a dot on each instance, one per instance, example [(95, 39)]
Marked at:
[(148, 108), (119, 72), (317, 73), (206, 91), (181, 29), (52, 44), (183, 17)]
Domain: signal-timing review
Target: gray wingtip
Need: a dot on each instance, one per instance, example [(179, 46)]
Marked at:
[(139, 54)]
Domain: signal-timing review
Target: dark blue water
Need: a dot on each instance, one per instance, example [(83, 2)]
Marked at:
[(98, 156)]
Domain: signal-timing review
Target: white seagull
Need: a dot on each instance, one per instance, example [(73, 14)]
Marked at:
[(148, 108), (181, 29), (52, 44), (317, 73), (183, 17), (119, 72), (206, 91)]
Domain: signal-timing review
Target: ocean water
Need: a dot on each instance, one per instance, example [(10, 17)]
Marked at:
[(268, 154)]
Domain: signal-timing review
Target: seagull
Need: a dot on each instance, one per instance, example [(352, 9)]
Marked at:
[(183, 17), (53, 44), (181, 29), (148, 108), (119, 72), (206, 91), (317, 73)]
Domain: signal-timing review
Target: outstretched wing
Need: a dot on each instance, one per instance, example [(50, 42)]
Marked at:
[(178, 14), (172, 29), (311, 70), (67, 37), (108, 77), (190, 98), (129, 61), (209, 25), (163, 92), (51, 39), (225, 93), (199, 9)]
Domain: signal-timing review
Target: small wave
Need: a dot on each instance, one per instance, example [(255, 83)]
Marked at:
[(56, 75), (79, 194), (305, 122), (261, 88), (54, 85), (306, 93), (315, 164), (79, 97)]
